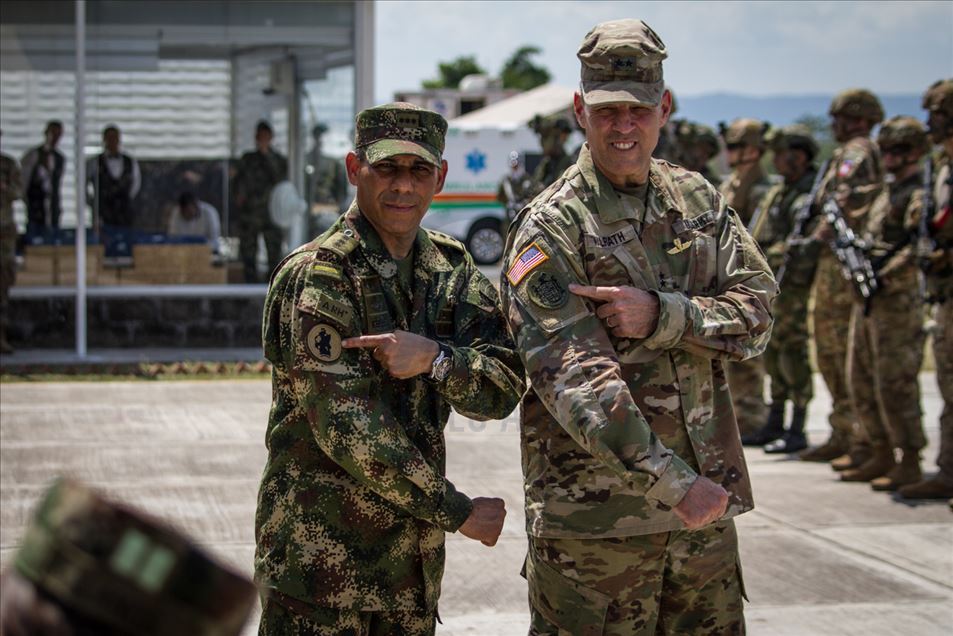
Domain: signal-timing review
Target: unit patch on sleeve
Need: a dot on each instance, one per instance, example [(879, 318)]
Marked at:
[(528, 260), (547, 291), (324, 343)]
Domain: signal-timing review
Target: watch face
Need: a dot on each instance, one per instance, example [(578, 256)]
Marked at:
[(442, 368)]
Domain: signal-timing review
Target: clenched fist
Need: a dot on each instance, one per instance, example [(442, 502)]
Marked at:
[(485, 521)]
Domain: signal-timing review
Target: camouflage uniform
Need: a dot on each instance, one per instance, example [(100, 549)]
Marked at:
[(555, 160), (257, 174), (614, 431), (10, 191), (325, 187), (854, 177), (354, 504), (743, 190), (938, 101), (112, 571), (698, 145)]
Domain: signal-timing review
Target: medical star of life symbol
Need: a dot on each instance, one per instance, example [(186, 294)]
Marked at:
[(476, 161)]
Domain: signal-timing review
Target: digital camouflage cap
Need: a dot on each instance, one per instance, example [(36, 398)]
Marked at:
[(904, 134), (744, 131), (796, 136), (622, 62), (858, 102), (110, 564), (400, 129)]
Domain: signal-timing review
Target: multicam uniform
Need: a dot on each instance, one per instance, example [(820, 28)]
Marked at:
[(742, 193), (854, 176), (257, 174), (615, 431), (353, 503), (786, 357), (10, 190)]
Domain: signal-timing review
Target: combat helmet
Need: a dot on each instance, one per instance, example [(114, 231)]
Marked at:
[(796, 136), (114, 567), (903, 131), (858, 102), (746, 132), (693, 134), (939, 97)]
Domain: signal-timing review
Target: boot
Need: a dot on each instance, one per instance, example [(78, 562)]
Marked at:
[(831, 449), (905, 473), (880, 463), (772, 429), (938, 487), (793, 439), (853, 458)]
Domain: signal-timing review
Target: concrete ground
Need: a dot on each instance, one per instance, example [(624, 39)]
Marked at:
[(819, 557)]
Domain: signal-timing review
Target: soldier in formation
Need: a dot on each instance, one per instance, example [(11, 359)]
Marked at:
[(786, 358), (10, 191), (743, 190), (375, 329), (553, 134), (698, 145), (632, 460), (325, 185)]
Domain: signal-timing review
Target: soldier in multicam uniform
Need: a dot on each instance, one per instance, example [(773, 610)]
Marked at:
[(938, 102), (627, 283), (375, 329), (11, 189), (552, 139), (743, 190), (325, 185), (786, 358), (698, 145), (886, 346), (258, 172), (90, 566), (854, 178)]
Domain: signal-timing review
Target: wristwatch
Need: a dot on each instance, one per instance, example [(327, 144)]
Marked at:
[(441, 364)]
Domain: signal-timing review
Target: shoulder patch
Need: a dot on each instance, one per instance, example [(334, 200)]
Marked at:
[(547, 290), (324, 343), (529, 259)]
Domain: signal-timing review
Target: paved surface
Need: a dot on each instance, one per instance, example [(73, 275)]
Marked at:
[(820, 557)]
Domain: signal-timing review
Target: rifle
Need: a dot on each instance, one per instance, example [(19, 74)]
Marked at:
[(847, 248), (925, 242), (801, 218)]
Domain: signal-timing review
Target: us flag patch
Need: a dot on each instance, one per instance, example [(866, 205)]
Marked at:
[(528, 260), (845, 168)]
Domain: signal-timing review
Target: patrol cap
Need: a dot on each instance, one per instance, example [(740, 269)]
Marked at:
[(622, 62), (796, 136), (745, 132), (319, 129), (400, 129), (108, 563)]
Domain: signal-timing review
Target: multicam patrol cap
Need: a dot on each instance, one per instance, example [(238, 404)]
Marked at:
[(400, 129), (797, 136), (858, 102), (110, 564), (745, 132), (622, 62), (903, 134)]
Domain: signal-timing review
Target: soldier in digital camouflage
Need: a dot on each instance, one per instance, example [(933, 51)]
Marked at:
[(375, 329), (743, 190), (886, 347), (854, 178), (938, 266), (90, 566), (11, 188), (627, 284), (786, 358), (258, 172)]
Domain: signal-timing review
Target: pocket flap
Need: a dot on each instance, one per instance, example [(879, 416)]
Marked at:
[(567, 604)]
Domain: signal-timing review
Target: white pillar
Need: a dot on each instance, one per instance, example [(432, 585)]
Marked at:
[(363, 54), (78, 157)]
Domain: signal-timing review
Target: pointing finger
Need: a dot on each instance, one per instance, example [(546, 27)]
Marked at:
[(596, 293), (367, 341)]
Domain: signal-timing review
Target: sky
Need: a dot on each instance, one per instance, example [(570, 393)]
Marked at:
[(751, 48)]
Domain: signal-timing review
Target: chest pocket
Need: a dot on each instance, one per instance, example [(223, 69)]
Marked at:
[(617, 258), (696, 265)]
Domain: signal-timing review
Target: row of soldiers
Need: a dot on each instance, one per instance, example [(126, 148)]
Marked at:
[(869, 232)]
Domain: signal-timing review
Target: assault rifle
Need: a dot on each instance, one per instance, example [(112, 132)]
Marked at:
[(925, 242), (801, 218), (848, 249)]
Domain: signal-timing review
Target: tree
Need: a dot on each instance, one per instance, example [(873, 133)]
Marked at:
[(520, 72), (450, 73)]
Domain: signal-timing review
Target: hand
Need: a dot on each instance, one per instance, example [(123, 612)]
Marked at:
[(485, 521), (24, 612), (402, 354), (704, 503), (628, 312)]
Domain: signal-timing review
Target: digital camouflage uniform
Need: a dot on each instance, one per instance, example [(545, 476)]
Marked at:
[(113, 571), (10, 191), (257, 174), (743, 190), (354, 504), (855, 176), (615, 431), (786, 357)]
